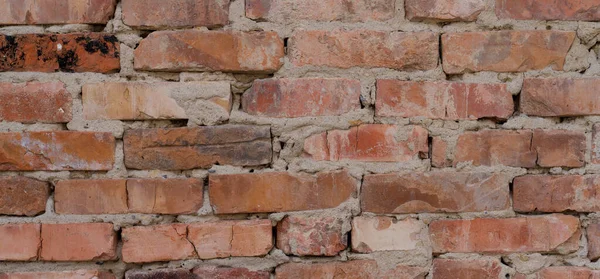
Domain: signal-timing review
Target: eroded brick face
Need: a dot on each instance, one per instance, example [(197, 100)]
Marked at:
[(286, 11), (46, 102), (173, 13), (56, 11)]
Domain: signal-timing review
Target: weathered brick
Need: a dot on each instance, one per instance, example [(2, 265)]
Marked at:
[(224, 239), (439, 153), (201, 147), (467, 269), (59, 150), (23, 196), (46, 102), (56, 11), (76, 274), (547, 234), (505, 51), (161, 274), (156, 243), (89, 196), (556, 193), (559, 148), (563, 272), (78, 242), (364, 269), (365, 48), (196, 50), (369, 142), (213, 272), (560, 97), (284, 11), (443, 10), (200, 102), (89, 52), (165, 196), (435, 192), (596, 144), (311, 236), (175, 13), (301, 97), (443, 100), (549, 9), (19, 242), (593, 238), (278, 191), (386, 234)]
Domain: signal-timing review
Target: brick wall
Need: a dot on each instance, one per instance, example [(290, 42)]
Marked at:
[(148, 139)]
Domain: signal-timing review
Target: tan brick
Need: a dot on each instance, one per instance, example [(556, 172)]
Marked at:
[(302, 97), (83, 52), (23, 196), (89, 196), (467, 269), (175, 13), (560, 97), (540, 234), (556, 193), (19, 242), (78, 242), (224, 239), (165, 196), (505, 51), (201, 102), (59, 150), (156, 243), (381, 233), (369, 142), (56, 11), (364, 269), (364, 48), (311, 235), (76, 274), (278, 191), (196, 50), (443, 10), (285, 11), (443, 100), (588, 10), (200, 147), (46, 102)]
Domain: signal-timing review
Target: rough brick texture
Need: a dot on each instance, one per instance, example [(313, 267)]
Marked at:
[(45, 102), (319, 10), (78, 242), (357, 269), (56, 11), (156, 14), (76, 274), (443, 10), (587, 10), (554, 193), (23, 196), (466, 269), (560, 97), (311, 236)]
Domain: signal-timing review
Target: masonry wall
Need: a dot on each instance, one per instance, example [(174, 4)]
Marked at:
[(260, 139)]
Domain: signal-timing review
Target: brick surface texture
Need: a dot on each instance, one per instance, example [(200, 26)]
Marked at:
[(299, 139)]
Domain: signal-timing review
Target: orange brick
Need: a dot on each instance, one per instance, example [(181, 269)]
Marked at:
[(88, 196), (156, 244), (76, 274), (23, 196), (467, 269), (556, 193), (175, 13), (587, 10), (320, 10), (56, 11), (78, 242), (311, 235), (560, 97), (19, 242), (165, 196), (351, 269), (45, 102), (443, 10)]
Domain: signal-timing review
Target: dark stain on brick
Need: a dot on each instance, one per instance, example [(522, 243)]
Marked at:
[(67, 61)]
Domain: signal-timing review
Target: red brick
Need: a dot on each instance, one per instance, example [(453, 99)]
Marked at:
[(76, 274), (200, 147), (443, 100), (311, 236), (156, 243), (443, 10), (467, 269), (89, 52), (596, 144), (302, 97), (162, 100), (364, 269), (278, 191), (225, 239), (165, 196), (214, 272), (56, 11), (365, 48), (46, 102), (320, 10), (60, 150), (196, 50), (547, 234), (553, 193), (496, 147), (23, 196), (593, 238), (560, 97), (571, 272), (434, 192), (369, 142), (175, 13), (439, 151), (588, 10), (385, 234), (505, 51), (78, 242), (165, 273), (86, 196), (559, 148), (19, 242)]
